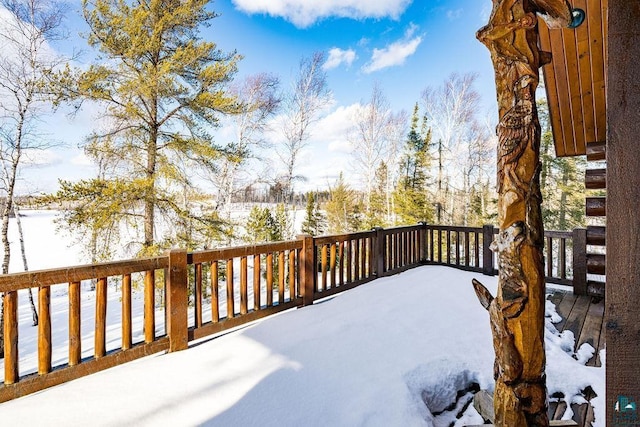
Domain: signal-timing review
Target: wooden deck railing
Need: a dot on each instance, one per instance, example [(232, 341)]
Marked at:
[(188, 296)]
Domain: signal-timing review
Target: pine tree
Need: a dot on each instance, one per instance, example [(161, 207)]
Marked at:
[(261, 226), (376, 215), (161, 88), (341, 208), (561, 182), (412, 199), (314, 221)]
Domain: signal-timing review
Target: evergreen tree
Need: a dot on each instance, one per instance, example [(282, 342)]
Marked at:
[(412, 200), (561, 182), (283, 224), (341, 208), (261, 226), (314, 220), (161, 88), (376, 215)]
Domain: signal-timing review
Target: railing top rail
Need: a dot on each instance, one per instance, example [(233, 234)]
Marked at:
[(455, 228), (558, 234), (32, 279), (323, 240), (393, 230), (241, 251)]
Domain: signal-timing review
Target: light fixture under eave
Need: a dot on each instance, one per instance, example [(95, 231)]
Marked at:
[(577, 17)]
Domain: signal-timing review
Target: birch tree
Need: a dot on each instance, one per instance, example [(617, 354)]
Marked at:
[(259, 101), (302, 105), (450, 109), (369, 140), (26, 60)]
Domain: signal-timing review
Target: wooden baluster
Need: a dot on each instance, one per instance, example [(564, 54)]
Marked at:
[(230, 291), (75, 342), (100, 341), (476, 249), (363, 258), (431, 246), (356, 259), (323, 264), (563, 258), (256, 282), (281, 277), (439, 246), (457, 248), (215, 305), (341, 263), (332, 265), (292, 275), (11, 372), (198, 295), (126, 312), (270, 279), (349, 255), (244, 287), (149, 306), (44, 330), (549, 257), (466, 248)]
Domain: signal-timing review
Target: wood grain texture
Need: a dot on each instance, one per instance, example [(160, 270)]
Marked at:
[(517, 311), (623, 221)]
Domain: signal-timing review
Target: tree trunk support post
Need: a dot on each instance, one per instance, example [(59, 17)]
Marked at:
[(580, 261), (517, 311), (307, 269), (177, 301)]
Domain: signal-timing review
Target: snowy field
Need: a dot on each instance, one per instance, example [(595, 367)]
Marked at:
[(394, 352)]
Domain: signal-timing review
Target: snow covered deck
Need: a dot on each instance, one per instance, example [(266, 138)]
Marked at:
[(393, 352)]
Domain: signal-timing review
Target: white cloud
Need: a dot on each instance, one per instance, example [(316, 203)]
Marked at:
[(338, 56), (304, 13), (395, 53)]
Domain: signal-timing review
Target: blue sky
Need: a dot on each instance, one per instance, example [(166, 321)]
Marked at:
[(402, 45)]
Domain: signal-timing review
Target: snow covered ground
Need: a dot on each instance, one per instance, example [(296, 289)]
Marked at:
[(393, 352)]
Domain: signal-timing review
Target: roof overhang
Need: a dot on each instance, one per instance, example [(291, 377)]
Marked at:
[(575, 80)]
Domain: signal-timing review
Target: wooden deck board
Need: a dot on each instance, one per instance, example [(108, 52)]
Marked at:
[(564, 309), (583, 315)]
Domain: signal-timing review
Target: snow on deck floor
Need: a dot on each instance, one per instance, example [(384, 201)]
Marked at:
[(371, 356)]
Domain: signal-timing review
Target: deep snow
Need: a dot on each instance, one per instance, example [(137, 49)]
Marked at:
[(389, 353)]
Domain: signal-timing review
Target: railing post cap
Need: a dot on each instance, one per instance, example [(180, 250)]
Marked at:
[(377, 228), (304, 236)]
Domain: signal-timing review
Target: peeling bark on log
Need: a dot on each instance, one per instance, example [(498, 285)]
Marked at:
[(517, 312)]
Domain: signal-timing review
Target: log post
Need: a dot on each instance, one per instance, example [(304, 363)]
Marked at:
[(487, 253), (307, 269), (177, 301), (378, 252), (517, 312), (580, 261)]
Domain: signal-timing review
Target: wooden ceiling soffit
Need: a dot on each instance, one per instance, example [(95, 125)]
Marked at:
[(575, 79)]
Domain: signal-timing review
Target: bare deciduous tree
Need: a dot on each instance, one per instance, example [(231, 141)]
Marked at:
[(371, 138), (26, 61), (309, 95), (450, 110), (259, 100)]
